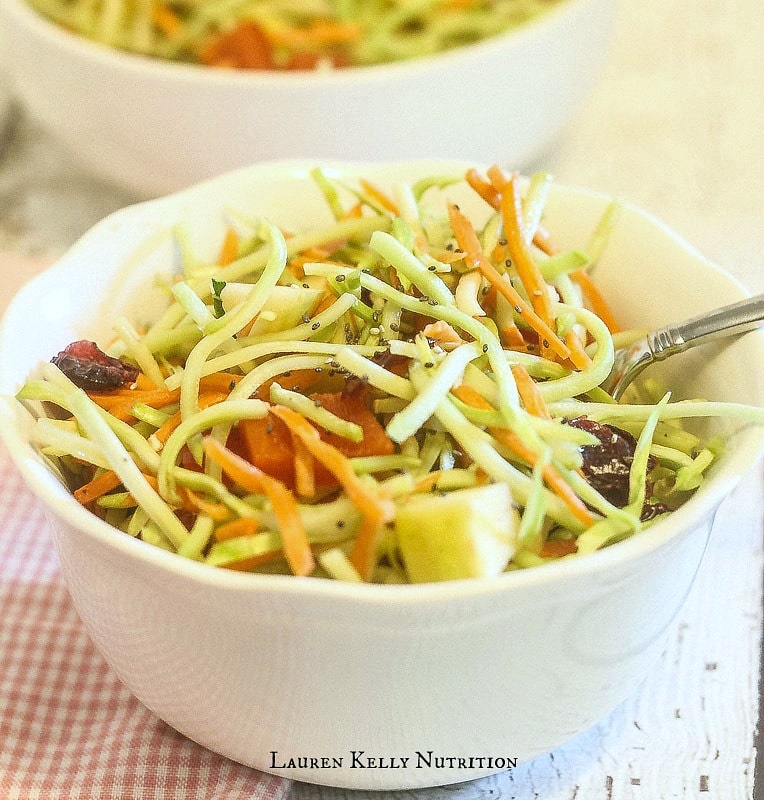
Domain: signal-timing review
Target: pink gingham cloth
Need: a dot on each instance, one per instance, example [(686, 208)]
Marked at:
[(69, 729)]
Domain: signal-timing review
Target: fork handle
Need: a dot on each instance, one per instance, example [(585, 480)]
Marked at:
[(745, 315)]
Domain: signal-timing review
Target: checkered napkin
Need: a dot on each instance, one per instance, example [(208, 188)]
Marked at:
[(69, 730)]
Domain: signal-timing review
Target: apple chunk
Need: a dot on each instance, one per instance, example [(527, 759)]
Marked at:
[(469, 533)]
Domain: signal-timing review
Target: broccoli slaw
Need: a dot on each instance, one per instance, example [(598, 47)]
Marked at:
[(403, 395), (283, 34)]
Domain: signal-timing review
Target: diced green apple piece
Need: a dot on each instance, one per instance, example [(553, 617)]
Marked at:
[(469, 533)]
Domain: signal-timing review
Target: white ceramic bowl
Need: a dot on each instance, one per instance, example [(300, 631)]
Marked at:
[(155, 126), (252, 665)]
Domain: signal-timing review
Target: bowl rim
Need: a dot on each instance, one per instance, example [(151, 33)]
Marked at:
[(81, 47), (692, 514)]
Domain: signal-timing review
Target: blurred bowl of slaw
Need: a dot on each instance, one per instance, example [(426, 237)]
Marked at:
[(154, 126), (309, 678)]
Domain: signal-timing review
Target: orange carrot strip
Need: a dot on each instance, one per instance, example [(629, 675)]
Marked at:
[(156, 398), (354, 212), (163, 432), (230, 248), (327, 301), (375, 509), (543, 241), (469, 243), (527, 269), (244, 526), (166, 20), (245, 46), (98, 487), (385, 201), (578, 355), (293, 537), (143, 382), (207, 397), (511, 336), (442, 333), (317, 33), (529, 393), (248, 564), (595, 300), (304, 468), (219, 382), (483, 188), (557, 549), (551, 474), (196, 502)]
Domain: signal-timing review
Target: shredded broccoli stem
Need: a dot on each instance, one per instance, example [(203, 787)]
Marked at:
[(530, 533), (408, 265), (449, 372), (234, 320), (255, 352), (681, 409), (577, 383), (477, 444), (124, 465), (313, 411)]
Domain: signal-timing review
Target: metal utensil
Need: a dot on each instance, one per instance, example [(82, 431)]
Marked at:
[(746, 315)]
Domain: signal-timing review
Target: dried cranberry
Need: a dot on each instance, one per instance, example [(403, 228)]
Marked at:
[(606, 466), (652, 510), (91, 369)]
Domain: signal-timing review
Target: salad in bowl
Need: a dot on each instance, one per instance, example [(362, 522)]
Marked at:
[(288, 35), (403, 393)]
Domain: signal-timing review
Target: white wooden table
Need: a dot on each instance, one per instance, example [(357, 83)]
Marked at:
[(675, 125)]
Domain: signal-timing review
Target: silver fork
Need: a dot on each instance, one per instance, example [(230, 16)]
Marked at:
[(746, 315)]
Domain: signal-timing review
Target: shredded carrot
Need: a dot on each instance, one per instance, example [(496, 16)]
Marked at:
[(166, 20), (483, 188), (98, 487), (442, 333), (230, 247), (320, 32), (529, 393), (376, 510), (121, 407), (243, 526), (316, 254), (354, 212), (245, 46), (378, 195), (115, 396), (293, 537), (543, 241), (304, 468), (511, 336), (248, 564), (578, 355), (551, 474), (558, 548), (527, 269), (326, 302), (499, 253), (164, 431), (219, 382), (144, 382), (197, 502), (595, 300), (469, 243)]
